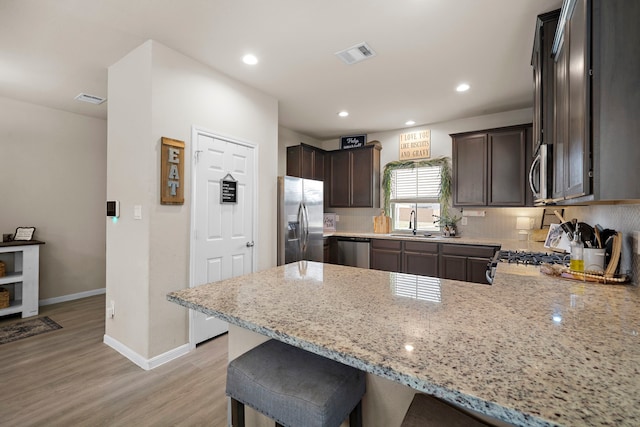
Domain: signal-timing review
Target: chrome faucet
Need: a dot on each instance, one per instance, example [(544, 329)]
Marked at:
[(412, 215)]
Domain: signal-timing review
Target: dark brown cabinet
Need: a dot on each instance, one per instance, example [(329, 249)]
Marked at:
[(490, 167), (573, 166), (305, 161), (420, 258), (386, 255), (543, 78), (449, 261), (465, 262), (597, 58), (354, 177)]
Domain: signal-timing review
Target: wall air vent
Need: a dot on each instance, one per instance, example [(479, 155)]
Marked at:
[(92, 99), (356, 53)]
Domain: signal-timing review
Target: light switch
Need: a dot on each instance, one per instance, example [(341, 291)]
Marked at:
[(137, 211)]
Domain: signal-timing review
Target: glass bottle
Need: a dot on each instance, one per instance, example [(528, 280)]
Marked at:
[(577, 253)]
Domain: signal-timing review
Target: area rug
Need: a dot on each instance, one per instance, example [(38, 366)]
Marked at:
[(27, 328)]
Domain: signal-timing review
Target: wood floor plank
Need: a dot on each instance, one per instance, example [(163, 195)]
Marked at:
[(69, 377)]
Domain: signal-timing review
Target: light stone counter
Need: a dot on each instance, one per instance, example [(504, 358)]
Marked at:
[(529, 350)]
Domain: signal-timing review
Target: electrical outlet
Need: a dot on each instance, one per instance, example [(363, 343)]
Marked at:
[(636, 241), (464, 220), (111, 310), (337, 218)]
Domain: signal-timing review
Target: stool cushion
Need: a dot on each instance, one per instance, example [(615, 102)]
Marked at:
[(295, 387), (429, 411)]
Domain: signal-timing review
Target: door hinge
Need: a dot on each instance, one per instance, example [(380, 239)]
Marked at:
[(196, 154), (590, 174), (590, 71)]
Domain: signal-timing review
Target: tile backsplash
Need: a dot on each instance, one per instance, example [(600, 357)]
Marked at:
[(501, 223)]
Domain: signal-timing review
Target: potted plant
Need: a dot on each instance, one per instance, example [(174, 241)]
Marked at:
[(448, 224)]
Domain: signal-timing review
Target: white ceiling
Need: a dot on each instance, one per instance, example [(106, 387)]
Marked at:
[(51, 50)]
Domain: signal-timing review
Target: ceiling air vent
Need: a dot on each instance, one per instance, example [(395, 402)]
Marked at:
[(84, 97), (356, 53)]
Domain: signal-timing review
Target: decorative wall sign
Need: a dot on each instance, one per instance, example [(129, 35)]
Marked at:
[(172, 172), (228, 189), (415, 145), (24, 233), (352, 141)]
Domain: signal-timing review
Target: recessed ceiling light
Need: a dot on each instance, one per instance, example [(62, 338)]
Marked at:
[(463, 87), (410, 122), (343, 113), (250, 59)]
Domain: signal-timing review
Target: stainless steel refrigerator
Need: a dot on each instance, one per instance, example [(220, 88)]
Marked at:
[(300, 220)]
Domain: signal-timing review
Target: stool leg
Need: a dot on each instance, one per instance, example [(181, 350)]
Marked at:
[(237, 413), (355, 417)]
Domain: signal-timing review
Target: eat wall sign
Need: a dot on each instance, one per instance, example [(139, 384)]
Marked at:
[(172, 172)]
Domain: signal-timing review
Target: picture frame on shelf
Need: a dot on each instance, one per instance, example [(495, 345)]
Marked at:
[(24, 233)]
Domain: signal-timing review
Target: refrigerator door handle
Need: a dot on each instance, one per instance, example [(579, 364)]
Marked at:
[(300, 231), (304, 237)]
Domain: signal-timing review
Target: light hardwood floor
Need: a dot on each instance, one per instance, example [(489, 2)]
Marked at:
[(69, 377)]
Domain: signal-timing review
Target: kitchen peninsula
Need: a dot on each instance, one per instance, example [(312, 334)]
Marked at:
[(528, 350)]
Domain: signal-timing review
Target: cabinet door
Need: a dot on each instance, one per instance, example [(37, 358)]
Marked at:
[(577, 164), (453, 267), (339, 172), (476, 269), (507, 168), (561, 115), (424, 264), (386, 260), (318, 165), (361, 172), (294, 163), (470, 170)]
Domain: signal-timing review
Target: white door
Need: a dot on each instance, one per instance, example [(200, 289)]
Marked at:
[(222, 233)]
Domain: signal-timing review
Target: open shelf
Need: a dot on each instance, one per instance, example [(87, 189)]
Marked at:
[(14, 307), (11, 278)]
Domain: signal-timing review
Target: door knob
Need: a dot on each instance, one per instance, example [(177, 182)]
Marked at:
[(250, 244)]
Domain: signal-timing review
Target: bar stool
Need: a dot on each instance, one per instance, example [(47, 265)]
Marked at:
[(294, 387), (429, 411)]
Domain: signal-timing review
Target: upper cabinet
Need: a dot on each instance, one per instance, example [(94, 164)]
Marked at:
[(305, 161), (490, 167), (596, 101), (543, 69), (353, 177)]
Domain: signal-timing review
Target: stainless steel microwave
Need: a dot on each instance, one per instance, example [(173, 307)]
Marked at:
[(540, 176)]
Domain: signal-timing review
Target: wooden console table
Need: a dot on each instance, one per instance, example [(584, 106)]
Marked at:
[(23, 266)]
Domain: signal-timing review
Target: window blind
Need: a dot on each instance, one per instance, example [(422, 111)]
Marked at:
[(416, 184)]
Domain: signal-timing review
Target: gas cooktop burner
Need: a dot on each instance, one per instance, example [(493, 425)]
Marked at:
[(532, 258)]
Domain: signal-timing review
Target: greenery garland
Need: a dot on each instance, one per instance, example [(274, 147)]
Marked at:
[(445, 184)]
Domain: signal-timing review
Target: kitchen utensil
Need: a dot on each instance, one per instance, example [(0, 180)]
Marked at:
[(381, 224), (587, 234), (597, 230), (615, 256)]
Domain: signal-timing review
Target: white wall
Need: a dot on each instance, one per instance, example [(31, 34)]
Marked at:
[(156, 92), (53, 177)]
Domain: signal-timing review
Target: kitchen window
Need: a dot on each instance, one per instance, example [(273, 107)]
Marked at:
[(415, 189)]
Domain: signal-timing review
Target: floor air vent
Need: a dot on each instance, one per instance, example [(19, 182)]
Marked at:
[(356, 53)]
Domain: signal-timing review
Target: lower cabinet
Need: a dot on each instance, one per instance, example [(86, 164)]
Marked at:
[(448, 261), (420, 258), (386, 255), (465, 262)]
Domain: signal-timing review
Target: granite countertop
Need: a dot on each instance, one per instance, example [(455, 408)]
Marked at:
[(530, 349)]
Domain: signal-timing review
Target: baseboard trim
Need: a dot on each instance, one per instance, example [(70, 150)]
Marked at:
[(146, 364), (72, 297)]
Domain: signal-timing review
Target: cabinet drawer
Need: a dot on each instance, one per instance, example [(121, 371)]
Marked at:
[(386, 244), (469, 250), (421, 247)]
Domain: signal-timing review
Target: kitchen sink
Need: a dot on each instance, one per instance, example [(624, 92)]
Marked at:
[(419, 235)]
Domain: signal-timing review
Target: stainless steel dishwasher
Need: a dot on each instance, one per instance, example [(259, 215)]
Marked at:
[(353, 251)]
